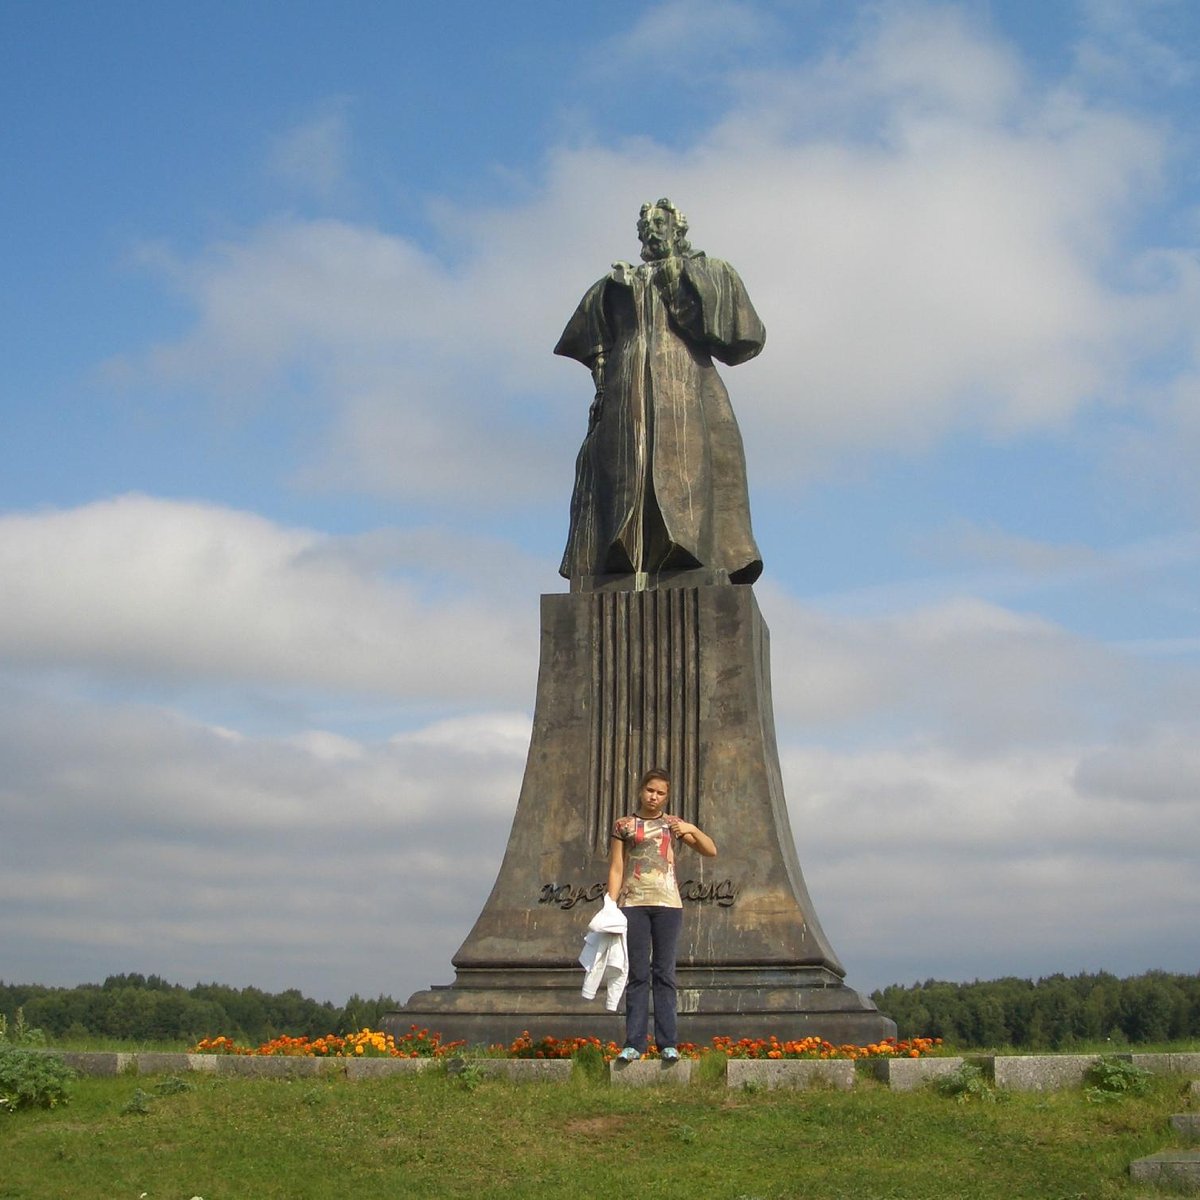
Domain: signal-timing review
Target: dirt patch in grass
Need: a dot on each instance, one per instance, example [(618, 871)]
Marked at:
[(595, 1127)]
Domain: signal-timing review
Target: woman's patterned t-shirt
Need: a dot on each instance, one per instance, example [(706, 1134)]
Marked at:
[(649, 863)]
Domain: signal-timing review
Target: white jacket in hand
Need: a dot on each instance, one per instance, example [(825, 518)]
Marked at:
[(605, 955)]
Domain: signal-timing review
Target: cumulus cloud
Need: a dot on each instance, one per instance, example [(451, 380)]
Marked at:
[(1160, 771), (142, 837), (976, 673), (139, 586), (931, 863)]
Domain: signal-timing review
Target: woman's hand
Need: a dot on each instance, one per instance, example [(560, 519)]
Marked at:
[(693, 836)]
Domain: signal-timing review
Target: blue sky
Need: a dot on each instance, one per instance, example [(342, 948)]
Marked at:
[(286, 461)]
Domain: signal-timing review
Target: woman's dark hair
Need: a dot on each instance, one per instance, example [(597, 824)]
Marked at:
[(655, 773)]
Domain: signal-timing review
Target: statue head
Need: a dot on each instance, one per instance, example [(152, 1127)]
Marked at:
[(662, 230)]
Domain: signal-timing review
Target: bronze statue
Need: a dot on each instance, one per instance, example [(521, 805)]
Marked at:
[(660, 481)]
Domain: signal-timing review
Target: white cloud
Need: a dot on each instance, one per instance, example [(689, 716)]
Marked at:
[(963, 670), (926, 863), (1126, 44), (994, 548), (137, 586), (1161, 770), (312, 157), (137, 837), (685, 37), (1155, 457)]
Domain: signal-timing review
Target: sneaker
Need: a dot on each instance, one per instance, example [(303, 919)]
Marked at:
[(669, 1054), (629, 1054)]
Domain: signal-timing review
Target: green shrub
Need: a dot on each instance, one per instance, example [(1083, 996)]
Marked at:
[(967, 1083), (138, 1105), (1111, 1078), (468, 1075), (32, 1078)]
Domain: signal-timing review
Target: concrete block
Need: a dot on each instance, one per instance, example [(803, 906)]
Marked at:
[(837, 1073), (650, 1072), (520, 1070), (272, 1067), (1166, 1064), (1186, 1063), (1187, 1126), (92, 1062), (1041, 1072), (1194, 1091), (905, 1074), (1177, 1168), (151, 1062), (384, 1068)]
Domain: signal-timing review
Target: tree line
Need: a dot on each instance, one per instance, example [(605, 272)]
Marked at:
[(148, 1008), (1053, 1013)]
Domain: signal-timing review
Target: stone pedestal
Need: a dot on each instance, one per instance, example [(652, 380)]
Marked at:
[(680, 678)]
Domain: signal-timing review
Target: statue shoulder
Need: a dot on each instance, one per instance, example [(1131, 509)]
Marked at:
[(586, 333)]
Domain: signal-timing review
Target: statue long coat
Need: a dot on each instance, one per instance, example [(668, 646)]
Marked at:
[(665, 440)]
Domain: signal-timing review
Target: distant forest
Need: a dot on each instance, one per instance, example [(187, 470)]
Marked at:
[(147, 1008), (1054, 1013)]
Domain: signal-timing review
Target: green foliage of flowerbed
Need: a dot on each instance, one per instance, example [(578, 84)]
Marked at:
[(432, 1135)]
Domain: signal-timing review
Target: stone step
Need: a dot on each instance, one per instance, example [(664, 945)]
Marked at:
[(800, 1073), (1187, 1125), (1178, 1168), (650, 1072), (907, 1074)]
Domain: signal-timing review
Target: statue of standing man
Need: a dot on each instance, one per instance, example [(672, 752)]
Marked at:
[(660, 481)]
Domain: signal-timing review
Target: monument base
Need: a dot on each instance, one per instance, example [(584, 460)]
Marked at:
[(677, 677), (485, 1008)]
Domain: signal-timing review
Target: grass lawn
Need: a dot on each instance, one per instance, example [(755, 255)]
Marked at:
[(440, 1136)]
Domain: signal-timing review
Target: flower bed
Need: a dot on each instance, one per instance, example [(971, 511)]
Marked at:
[(551, 1047), (367, 1043), (420, 1043), (813, 1047)]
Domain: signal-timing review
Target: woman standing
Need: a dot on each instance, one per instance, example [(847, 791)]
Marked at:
[(641, 879)]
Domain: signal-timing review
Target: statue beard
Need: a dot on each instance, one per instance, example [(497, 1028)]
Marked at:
[(655, 249)]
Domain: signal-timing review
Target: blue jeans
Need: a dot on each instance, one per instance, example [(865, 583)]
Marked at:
[(652, 937)]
